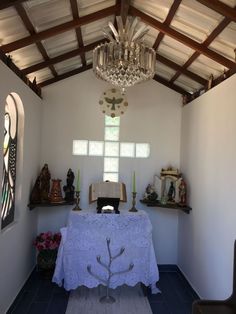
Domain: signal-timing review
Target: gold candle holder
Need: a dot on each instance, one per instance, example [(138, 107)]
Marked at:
[(77, 199), (133, 209)]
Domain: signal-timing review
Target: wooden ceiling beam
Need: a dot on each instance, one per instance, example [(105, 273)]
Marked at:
[(65, 75), (59, 29), (175, 87), (178, 67), (75, 13), (183, 39), (11, 65), (29, 26), (221, 8), (124, 10), (168, 20), (219, 28), (63, 57), (4, 4)]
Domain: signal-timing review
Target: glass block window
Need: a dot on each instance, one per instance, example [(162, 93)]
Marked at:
[(127, 150), (96, 148), (112, 121), (80, 147), (112, 149), (142, 150), (112, 133), (9, 162), (111, 164), (109, 176)]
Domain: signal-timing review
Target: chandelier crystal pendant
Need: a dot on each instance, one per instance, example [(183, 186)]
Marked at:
[(125, 60)]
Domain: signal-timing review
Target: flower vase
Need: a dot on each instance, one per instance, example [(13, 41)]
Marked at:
[(46, 261)]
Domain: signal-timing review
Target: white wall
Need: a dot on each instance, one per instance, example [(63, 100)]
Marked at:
[(71, 111), (17, 256), (208, 152)]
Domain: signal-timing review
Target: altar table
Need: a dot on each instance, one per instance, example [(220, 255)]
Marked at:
[(84, 239)]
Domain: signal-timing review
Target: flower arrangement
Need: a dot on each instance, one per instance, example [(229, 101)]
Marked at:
[(47, 245), (47, 241)]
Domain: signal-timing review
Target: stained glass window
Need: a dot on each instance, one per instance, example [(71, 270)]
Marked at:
[(9, 162)]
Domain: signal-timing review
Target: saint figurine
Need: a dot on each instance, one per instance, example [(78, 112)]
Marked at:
[(45, 177), (69, 188), (182, 193), (171, 193), (35, 196)]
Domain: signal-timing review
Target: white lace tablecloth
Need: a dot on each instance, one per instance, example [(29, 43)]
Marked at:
[(85, 238)]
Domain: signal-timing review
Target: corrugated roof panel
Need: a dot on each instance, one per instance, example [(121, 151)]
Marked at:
[(174, 50), (89, 57), (93, 31), (188, 82), (48, 13), (157, 9), (41, 75), (225, 43), (86, 7), (68, 65), (151, 36), (230, 3), (195, 20), (204, 67), (61, 43), (11, 26), (162, 69), (26, 56)]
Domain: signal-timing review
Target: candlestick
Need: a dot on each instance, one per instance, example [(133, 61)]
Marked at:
[(78, 181), (134, 183), (133, 208), (77, 199)]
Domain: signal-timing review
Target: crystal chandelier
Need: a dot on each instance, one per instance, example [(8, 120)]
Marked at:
[(125, 60)]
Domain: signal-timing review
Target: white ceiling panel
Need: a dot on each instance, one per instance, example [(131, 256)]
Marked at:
[(204, 67), (90, 6), (151, 36), (157, 9), (61, 43), (45, 14), (163, 69), (188, 83), (89, 57), (11, 26), (195, 20), (93, 31), (225, 43), (174, 50), (41, 75), (68, 65), (230, 3), (26, 56)]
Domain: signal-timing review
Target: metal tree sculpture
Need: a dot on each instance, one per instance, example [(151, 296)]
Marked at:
[(107, 298)]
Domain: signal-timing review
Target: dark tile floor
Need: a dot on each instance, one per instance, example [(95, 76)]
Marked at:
[(40, 296)]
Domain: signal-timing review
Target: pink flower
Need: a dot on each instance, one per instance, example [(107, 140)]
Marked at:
[(47, 241)]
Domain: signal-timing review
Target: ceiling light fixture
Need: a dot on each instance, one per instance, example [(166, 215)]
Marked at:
[(126, 60)]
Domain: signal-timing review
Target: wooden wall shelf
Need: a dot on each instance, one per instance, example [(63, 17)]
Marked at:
[(32, 206), (185, 209)]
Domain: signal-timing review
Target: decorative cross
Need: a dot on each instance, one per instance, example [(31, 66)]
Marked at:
[(111, 149)]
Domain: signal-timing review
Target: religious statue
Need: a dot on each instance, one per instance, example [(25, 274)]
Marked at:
[(150, 193), (182, 193), (171, 193), (35, 196), (69, 188), (45, 177), (55, 195)]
